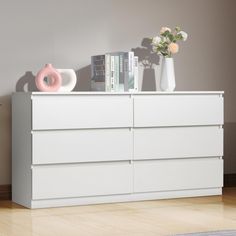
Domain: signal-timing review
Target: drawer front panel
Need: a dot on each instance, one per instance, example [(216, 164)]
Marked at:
[(68, 146), (178, 142), (84, 111), (178, 110), (164, 175), (81, 180)]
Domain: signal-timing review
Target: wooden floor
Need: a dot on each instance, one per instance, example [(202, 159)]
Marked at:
[(162, 217)]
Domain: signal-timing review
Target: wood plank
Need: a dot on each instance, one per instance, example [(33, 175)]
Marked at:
[(150, 218)]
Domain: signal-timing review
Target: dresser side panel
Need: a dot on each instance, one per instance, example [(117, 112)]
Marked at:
[(21, 149)]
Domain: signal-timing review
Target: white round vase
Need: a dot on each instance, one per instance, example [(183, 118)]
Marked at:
[(69, 80), (167, 80)]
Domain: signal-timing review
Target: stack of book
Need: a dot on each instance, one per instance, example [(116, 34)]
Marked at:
[(114, 72)]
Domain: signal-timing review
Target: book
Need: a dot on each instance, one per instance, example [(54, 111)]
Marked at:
[(129, 71), (118, 71), (136, 79), (98, 73), (107, 72), (113, 72), (121, 72), (112, 76)]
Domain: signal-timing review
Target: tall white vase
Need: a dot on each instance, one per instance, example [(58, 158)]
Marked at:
[(167, 80)]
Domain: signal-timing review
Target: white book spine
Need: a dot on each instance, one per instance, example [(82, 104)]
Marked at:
[(107, 72), (117, 72), (131, 71), (121, 74), (131, 59), (136, 88), (126, 71), (112, 73)]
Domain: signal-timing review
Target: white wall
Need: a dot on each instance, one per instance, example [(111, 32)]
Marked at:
[(67, 32)]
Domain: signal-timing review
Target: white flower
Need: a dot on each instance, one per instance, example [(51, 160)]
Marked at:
[(164, 39), (154, 48), (156, 40), (184, 35), (164, 29)]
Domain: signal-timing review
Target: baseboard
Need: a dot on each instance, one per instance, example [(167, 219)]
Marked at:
[(5, 192), (230, 180)]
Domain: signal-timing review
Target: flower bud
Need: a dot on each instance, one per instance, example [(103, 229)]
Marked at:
[(164, 29)]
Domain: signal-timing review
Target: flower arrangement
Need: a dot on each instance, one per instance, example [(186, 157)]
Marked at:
[(165, 44)]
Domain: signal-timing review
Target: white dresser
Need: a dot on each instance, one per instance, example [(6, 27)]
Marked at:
[(85, 148)]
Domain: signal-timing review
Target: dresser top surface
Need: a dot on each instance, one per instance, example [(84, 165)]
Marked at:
[(125, 93)]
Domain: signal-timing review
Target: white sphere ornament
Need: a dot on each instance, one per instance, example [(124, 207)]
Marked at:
[(69, 80)]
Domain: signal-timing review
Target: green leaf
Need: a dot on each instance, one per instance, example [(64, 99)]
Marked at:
[(165, 34), (180, 37), (171, 37)]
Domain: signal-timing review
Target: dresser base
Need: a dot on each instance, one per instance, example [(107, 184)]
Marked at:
[(123, 198)]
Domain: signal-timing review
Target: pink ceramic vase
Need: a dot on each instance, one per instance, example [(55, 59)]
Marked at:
[(54, 77)]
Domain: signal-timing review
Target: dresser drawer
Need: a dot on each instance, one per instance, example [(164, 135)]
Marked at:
[(67, 181), (84, 111), (165, 175), (178, 142), (69, 146), (177, 110)]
